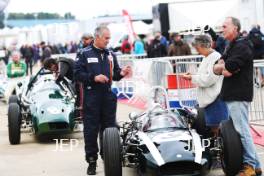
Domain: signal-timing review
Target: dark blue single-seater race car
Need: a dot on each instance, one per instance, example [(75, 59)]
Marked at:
[(163, 141)]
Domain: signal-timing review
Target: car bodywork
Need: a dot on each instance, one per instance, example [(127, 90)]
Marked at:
[(51, 109), (168, 145), (45, 106)]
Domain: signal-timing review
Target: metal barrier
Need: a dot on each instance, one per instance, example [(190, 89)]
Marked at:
[(131, 56), (149, 72), (158, 72), (257, 105), (146, 73), (176, 59), (183, 91), (187, 92), (119, 57)]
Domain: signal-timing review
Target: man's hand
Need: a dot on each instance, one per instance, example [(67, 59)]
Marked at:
[(221, 61), (186, 76), (101, 79), (226, 73), (126, 71), (219, 67)]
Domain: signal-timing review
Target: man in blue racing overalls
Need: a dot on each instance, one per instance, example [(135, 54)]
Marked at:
[(96, 67)]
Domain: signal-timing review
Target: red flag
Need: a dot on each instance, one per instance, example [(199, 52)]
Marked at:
[(128, 21)]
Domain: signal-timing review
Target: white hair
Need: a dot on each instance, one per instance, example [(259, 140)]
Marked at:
[(204, 41), (98, 32)]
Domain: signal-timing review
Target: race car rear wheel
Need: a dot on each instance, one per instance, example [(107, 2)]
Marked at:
[(112, 152), (14, 122), (232, 150), (13, 99)]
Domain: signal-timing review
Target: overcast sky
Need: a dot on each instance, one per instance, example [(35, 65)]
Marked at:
[(82, 9)]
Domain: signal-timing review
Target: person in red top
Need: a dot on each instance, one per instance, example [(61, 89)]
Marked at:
[(126, 46)]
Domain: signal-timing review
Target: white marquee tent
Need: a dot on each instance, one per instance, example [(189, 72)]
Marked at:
[(65, 32)]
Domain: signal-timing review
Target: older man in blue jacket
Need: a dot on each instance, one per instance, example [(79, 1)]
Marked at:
[(96, 67)]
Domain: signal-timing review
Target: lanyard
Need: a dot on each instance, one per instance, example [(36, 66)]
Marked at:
[(110, 59)]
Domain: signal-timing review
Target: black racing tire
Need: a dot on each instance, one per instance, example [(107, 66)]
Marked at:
[(199, 123), (13, 99), (14, 122), (112, 152), (232, 151)]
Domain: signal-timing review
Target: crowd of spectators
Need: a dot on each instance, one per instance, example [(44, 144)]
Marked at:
[(153, 45), (34, 53)]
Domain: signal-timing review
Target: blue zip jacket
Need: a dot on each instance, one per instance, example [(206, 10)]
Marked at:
[(92, 61)]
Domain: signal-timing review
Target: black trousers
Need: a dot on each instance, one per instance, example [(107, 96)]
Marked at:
[(99, 113)]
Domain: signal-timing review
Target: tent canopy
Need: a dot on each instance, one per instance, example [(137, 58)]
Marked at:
[(191, 14)]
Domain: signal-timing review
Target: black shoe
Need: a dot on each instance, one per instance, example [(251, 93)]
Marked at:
[(92, 167), (258, 171)]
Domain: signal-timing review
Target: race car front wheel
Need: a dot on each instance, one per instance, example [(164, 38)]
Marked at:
[(232, 152), (112, 152), (14, 122)]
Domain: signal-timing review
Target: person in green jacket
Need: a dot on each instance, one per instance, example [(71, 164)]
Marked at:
[(16, 68)]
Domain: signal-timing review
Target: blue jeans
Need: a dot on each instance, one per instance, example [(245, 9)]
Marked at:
[(238, 111)]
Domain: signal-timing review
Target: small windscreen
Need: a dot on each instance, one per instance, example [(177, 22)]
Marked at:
[(163, 121)]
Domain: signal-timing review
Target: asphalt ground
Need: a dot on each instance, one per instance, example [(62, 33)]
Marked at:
[(35, 157)]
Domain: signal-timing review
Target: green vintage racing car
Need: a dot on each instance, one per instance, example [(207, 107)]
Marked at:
[(42, 105)]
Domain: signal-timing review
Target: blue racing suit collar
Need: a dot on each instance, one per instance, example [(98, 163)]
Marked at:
[(99, 50)]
